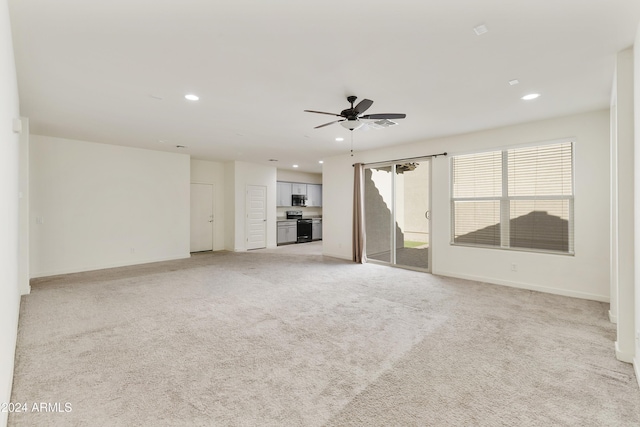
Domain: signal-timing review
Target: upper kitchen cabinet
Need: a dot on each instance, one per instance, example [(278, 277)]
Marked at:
[(314, 195), (298, 188), (284, 193), (286, 189)]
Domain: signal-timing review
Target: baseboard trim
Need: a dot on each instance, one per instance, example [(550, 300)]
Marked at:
[(108, 265), (622, 356), (527, 286), (612, 317), (636, 367)]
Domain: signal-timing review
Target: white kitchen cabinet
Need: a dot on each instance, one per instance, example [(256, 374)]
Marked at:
[(287, 232), (316, 229), (283, 194), (314, 195), (286, 189), (298, 188)]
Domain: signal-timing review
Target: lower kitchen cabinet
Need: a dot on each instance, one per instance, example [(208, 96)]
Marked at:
[(316, 229), (287, 232)]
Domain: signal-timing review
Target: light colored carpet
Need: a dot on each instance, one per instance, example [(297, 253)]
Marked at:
[(287, 337)]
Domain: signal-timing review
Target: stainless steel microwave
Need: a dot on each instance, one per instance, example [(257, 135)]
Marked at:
[(298, 200)]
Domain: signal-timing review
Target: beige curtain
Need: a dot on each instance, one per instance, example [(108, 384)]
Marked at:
[(359, 253)]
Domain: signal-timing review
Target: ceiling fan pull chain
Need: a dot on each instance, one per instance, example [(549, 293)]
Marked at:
[(351, 143)]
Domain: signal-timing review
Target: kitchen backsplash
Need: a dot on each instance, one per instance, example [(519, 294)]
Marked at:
[(307, 212)]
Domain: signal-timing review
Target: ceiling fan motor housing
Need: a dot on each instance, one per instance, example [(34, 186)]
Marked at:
[(350, 113)]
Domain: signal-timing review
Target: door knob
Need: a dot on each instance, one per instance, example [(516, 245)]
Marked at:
[(427, 214)]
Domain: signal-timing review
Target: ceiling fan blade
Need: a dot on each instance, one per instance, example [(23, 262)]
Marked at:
[(330, 123), (363, 106), (384, 116), (322, 112)]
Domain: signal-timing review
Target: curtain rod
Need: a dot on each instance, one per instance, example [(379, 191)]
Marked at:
[(404, 160)]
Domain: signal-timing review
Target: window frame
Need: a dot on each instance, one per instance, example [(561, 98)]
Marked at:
[(505, 200)]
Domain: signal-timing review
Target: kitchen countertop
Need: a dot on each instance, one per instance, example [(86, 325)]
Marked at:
[(280, 219)]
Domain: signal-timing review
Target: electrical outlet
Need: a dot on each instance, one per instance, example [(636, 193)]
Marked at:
[(514, 266), (133, 250)]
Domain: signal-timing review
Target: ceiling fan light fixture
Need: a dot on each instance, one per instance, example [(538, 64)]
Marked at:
[(351, 124)]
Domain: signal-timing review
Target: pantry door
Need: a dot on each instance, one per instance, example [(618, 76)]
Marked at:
[(201, 217), (256, 216)]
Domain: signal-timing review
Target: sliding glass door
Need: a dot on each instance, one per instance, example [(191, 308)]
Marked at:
[(397, 217), (378, 212)]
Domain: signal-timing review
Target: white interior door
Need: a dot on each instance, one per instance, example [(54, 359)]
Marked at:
[(201, 217), (256, 216)]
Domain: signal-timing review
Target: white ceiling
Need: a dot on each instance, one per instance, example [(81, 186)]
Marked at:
[(92, 70)]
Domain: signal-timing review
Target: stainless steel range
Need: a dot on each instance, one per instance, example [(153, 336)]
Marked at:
[(304, 226)]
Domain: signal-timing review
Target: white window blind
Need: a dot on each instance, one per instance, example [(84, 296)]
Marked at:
[(519, 198)]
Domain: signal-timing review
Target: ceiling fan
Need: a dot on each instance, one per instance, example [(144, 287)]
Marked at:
[(350, 118)]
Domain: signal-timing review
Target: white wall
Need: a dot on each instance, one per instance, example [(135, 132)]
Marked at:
[(23, 210), (207, 172), (636, 88), (296, 176), (613, 206), (585, 275), (96, 206), (622, 190), (253, 174), (229, 206), (9, 147)]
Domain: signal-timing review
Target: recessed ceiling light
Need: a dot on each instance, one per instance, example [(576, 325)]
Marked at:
[(321, 161), (295, 166), (530, 96), (480, 30), (192, 97), (339, 139), (513, 82)]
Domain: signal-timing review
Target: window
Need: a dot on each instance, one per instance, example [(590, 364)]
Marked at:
[(514, 199)]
